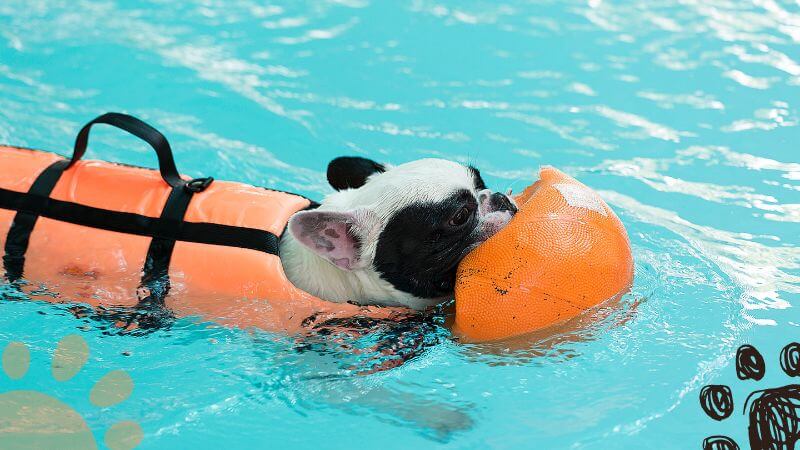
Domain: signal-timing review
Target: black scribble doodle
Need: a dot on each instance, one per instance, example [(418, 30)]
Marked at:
[(773, 414), (774, 418), (719, 443), (749, 363), (790, 359), (717, 401)]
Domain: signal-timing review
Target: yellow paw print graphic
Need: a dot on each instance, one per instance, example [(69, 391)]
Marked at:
[(34, 420)]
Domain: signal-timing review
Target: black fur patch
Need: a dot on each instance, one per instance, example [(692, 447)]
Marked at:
[(418, 251), (351, 172), (476, 175)]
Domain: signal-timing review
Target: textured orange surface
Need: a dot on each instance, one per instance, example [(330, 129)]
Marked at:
[(564, 252), (232, 286)]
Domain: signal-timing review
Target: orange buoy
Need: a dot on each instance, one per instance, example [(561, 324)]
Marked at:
[(563, 253)]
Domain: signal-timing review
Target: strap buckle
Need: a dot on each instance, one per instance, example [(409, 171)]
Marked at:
[(198, 184)]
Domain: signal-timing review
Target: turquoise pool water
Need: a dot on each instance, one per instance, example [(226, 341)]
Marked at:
[(683, 114)]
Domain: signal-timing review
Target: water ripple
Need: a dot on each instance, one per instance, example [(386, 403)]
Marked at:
[(682, 112)]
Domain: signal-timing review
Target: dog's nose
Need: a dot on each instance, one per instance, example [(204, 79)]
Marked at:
[(495, 201), (501, 202)]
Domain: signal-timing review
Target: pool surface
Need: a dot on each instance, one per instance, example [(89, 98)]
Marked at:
[(683, 114)]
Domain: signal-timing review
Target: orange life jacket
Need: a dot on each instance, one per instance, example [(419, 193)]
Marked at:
[(112, 235)]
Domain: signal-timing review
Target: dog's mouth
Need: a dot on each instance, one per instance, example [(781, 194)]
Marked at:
[(435, 280), (493, 222), (490, 224)]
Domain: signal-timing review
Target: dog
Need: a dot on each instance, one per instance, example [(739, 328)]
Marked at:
[(392, 236)]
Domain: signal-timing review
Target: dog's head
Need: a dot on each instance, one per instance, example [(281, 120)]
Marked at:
[(410, 224)]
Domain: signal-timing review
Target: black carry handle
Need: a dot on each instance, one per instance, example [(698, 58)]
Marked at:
[(134, 126)]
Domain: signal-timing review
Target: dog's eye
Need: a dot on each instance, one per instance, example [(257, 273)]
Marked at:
[(461, 217)]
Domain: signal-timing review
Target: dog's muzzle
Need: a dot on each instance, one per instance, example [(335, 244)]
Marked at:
[(501, 202), (496, 210)]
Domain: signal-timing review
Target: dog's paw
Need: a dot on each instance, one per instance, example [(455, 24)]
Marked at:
[(773, 414)]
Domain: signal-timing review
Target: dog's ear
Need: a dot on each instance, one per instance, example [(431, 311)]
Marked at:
[(338, 237), (351, 172)]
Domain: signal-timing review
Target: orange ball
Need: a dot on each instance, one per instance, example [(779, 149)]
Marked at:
[(564, 252)]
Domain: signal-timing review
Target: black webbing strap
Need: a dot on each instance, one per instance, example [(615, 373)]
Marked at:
[(134, 126), (139, 225), (19, 234), (155, 274)]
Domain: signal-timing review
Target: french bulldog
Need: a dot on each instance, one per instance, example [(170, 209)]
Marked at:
[(392, 236)]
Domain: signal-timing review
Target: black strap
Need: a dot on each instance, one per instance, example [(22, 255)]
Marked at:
[(34, 202), (134, 126), (154, 286), (137, 224)]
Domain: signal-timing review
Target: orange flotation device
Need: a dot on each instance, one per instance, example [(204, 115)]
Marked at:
[(114, 236), (564, 252), (120, 236)]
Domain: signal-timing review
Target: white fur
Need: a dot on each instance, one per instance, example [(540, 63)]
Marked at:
[(383, 194)]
